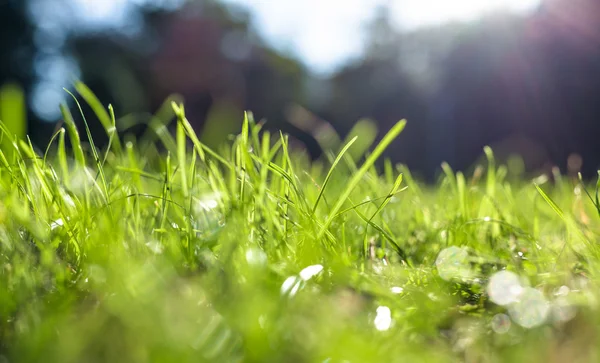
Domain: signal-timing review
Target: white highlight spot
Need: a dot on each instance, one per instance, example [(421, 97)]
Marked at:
[(310, 271), (57, 223), (67, 198), (207, 203), (383, 320), (256, 257), (155, 246), (290, 286), (397, 290), (335, 32)]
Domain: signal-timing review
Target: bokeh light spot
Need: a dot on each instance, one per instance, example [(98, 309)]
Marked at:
[(504, 288), (256, 257), (383, 320), (531, 310), (501, 323), (453, 263)]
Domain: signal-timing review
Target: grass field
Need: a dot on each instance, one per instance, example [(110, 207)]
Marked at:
[(163, 250)]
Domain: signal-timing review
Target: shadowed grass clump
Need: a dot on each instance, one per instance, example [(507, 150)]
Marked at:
[(170, 251)]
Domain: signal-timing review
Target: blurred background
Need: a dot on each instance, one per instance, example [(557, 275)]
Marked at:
[(520, 75)]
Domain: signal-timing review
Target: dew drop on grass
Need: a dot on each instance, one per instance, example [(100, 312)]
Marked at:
[(310, 271), (290, 286), (208, 218), (287, 284), (396, 290), (531, 310), (504, 288), (57, 223), (383, 319), (208, 202), (501, 323), (453, 262)]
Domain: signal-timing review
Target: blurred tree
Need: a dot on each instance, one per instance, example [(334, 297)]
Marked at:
[(215, 59), (378, 88), (534, 78), (16, 54), (207, 52), (16, 43), (531, 78), (524, 84)]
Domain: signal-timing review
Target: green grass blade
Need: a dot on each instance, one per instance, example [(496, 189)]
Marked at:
[(490, 186), (62, 155), (73, 135), (181, 157), (330, 172), (103, 116), (598, 192), (94, 150), (388, 197), (369, 201), (550, 202), (366, 130), (450, 177), (461, 186), (54, 137), (383, 144), (594, 200)]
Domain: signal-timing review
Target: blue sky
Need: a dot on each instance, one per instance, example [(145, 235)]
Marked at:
[(325, 33)]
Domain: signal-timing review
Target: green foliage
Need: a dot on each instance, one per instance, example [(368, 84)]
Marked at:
[(12, 114), (131, 254)]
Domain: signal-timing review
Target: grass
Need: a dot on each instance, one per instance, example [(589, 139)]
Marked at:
[(251, 253)]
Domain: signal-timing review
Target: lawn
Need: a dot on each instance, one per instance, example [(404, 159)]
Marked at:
[(160, 249)]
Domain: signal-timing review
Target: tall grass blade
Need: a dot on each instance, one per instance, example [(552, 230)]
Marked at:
[(330, 172), (73, 136), (103, 116), (356, 178)]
